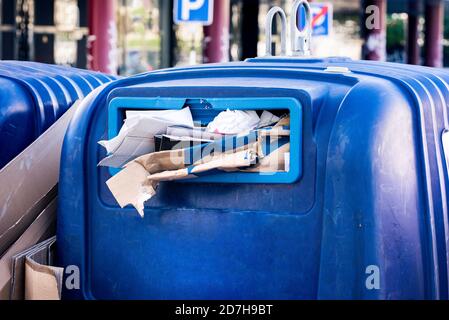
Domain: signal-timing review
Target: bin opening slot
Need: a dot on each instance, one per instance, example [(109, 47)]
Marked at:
[(202, 112), (199, 130), (219, 140)]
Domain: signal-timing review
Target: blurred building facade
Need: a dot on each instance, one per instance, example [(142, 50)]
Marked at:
[(133, 36), (44, 30)]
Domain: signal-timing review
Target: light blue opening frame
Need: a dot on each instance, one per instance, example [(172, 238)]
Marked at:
[(116, 113)]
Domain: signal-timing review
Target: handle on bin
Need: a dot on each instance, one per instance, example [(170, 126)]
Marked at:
[(269, 27), (301, 38)]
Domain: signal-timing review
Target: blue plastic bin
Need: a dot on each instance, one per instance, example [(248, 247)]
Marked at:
[(371, 198), (33, 96)]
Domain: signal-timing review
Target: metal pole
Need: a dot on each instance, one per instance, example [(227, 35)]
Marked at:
[(168, 37), (216, 36), (8, 38), (81, 55), (374, 29), (413, 54), (249, 29), (44, 41), (102, 36), (434, 13)]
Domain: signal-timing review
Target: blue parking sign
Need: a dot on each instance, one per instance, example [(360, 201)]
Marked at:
[(196, 11)]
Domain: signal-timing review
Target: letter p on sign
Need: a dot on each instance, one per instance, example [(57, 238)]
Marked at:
[(193, 11)]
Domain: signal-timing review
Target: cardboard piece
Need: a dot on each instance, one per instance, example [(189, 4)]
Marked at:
[(42, 228), (285, 121), (261, 151), (42, 282), (137, 182), (224, 161), (128, 187), (42, 253), (27, 179)]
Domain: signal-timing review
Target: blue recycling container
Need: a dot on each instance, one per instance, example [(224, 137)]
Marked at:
[(33, 96), (363, 216)]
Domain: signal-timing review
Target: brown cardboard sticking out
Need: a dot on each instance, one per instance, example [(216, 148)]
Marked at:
[(42, 253), (138, 181), (283, 122), (128, 186), (28, 178), (42, 282), (223, 161), (162, 161), (42, 228)]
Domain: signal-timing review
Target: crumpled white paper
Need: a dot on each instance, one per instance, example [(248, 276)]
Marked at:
[(268, 119), (136, 136), (234, 122)]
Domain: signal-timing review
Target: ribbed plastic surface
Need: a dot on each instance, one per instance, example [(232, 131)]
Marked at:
[(33, 96)]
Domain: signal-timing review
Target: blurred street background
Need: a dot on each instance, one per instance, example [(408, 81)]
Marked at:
[(132, 36)]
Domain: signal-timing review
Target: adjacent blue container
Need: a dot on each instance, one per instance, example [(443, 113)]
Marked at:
[(33, 96), (367, 218)]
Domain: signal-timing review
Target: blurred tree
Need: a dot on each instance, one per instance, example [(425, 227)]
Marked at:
[(396, 38)]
